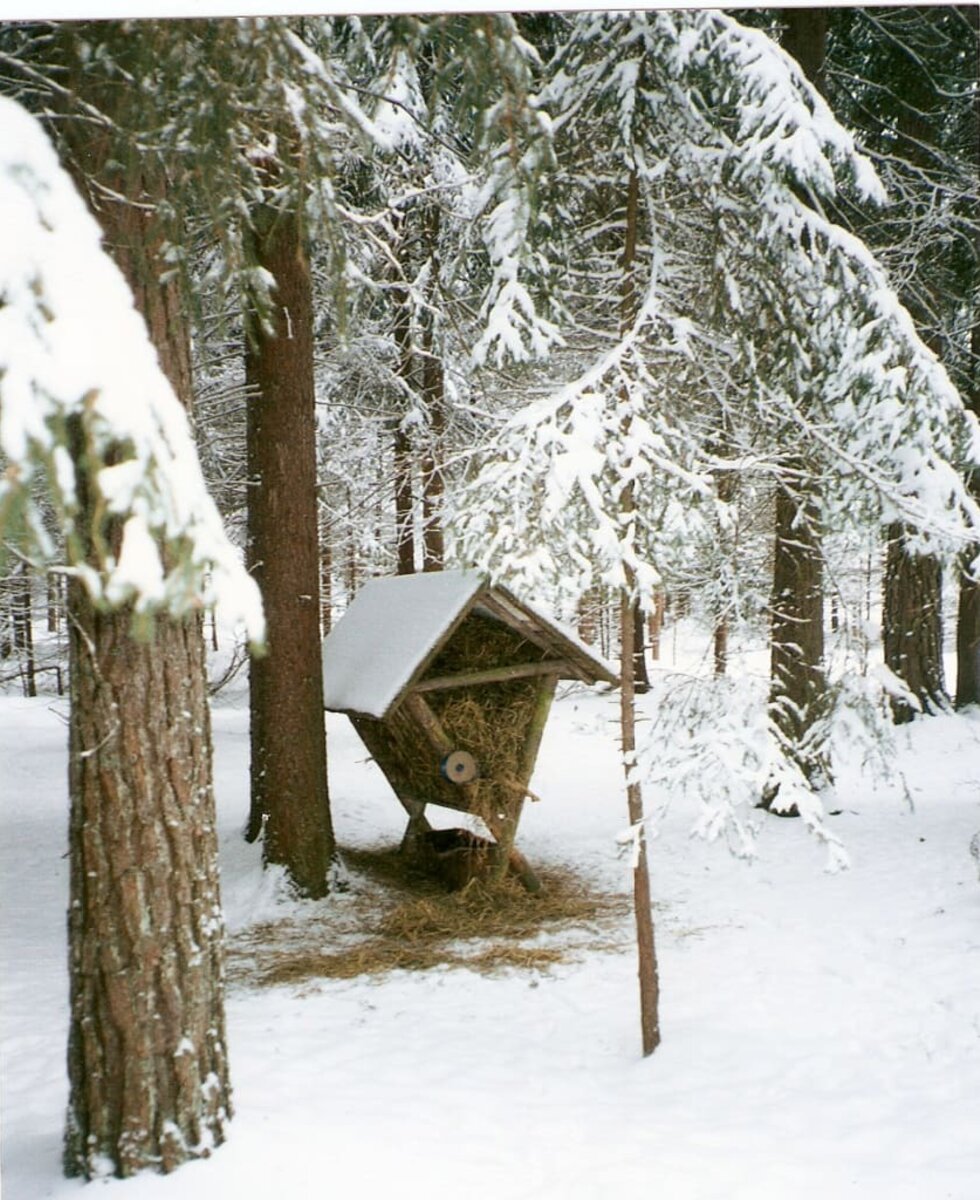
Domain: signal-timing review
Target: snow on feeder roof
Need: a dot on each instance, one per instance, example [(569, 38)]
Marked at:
[(396, 626), (448, 680)]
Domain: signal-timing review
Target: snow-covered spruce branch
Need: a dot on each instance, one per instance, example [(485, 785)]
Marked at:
[(82, 393)]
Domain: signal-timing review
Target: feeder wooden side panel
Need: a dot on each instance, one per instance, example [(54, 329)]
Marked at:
[(402, 751)]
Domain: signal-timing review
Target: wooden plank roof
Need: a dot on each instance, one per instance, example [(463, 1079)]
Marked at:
[(395, 626)]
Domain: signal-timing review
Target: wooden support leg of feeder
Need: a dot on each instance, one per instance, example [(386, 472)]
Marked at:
[(504, 827), (508, 856), (418, 824)]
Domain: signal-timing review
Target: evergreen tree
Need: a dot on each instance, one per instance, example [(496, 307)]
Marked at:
[(147, 1059), (768, 344), (906, 78)]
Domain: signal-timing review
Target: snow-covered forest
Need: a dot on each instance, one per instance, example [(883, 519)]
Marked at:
[(666, 322)]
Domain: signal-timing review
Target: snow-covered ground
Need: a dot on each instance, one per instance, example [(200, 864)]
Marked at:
[(821, 1033)]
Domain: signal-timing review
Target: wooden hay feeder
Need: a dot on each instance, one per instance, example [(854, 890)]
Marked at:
[(448, 681)]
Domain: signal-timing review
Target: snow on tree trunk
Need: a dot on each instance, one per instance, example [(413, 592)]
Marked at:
[(289, 797), (642, 910)]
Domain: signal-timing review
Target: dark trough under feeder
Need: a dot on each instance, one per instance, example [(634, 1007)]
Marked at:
[(448, 680)]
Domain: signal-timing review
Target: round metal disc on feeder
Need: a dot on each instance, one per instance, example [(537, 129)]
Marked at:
[(459, 767)]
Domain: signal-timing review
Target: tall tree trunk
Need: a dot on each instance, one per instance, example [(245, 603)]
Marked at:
[(433, 486), (805, 38), (912, 628), (968, 638), (434, 400), (968, 611), (289, 798), (147, 1057), (326, 580), (403, 453), (627, 315), (641, 678), (725, 489), (147, 1063), (912, 601), (22, 620), (55, 598), (656, 625), (797, 684)]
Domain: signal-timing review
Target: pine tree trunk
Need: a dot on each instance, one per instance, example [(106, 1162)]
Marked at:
[(657, 622), (797, 684), (805, 38), (147, 1059), (55, 593), (721, 646), (326, 582), (968, 640), (403, 455), (641, 679), (147, 1063), (289, 799), (968, 609), (22, 619), (433, 486), (912, 630)]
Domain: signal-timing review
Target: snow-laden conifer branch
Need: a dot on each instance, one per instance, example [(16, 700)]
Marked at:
[(770, 344), (828, 359), (84, 402)]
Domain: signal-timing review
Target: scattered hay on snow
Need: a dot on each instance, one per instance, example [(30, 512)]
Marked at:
[(395, 917)]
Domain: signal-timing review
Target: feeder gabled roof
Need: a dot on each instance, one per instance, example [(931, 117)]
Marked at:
[(396, 626)]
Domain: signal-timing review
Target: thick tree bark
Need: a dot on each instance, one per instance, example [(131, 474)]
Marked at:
[(290, 802), (797, 684), (147, 1063), (147, 1058), (912, 629), (912, 601)]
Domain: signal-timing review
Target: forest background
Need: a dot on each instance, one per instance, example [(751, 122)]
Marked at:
[(612, 305)]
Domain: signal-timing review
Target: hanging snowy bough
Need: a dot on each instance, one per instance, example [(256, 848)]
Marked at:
[(797, 361), (84, 402)]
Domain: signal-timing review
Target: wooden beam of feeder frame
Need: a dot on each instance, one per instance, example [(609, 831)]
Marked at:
[(556, 667)]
